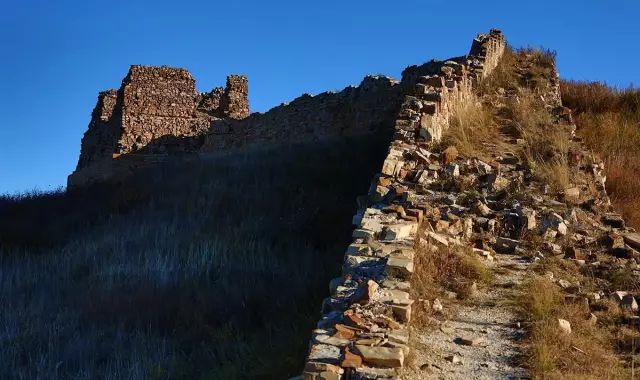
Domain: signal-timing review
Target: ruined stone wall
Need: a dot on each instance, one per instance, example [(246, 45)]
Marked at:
[(363, 333), (155, 111), (235, 103), (158, 101), (104, 129), (364, 109)]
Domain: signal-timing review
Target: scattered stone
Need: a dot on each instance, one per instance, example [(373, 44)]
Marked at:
[(366, 292), (506, 245), (399, 336), (441, 226), (629, 302), (447, 329), (573, 253), (399, 267), (572, 195), (473, 290), (343, 331), (399, 231), (564, 284), (362, 234), (486, 254), (332, 340), (481, 208), (613, 220), (454, 359), (322, 371), (437, 306), (438, 238), (564, 325), (633, 239), (468, 341), (453, 170)]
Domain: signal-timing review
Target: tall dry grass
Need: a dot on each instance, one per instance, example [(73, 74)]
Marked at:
[(609, 121), (472, 130), (585, 353)]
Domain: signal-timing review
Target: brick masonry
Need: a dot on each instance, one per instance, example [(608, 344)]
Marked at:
[(155, 111)]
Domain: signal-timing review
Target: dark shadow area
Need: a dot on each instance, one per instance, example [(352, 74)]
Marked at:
[(209, 269)]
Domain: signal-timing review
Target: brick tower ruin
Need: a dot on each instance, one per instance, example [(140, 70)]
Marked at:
[(157, 109)]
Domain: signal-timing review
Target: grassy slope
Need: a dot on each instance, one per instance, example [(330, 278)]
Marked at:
[(205, 270), (609, 120)]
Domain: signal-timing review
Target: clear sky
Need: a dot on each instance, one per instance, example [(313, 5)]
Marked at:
[(56, 55)]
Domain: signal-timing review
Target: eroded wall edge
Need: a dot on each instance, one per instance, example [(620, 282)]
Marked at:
[(363, 332)]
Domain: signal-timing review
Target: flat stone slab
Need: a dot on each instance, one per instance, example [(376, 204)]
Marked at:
[(386, 357)]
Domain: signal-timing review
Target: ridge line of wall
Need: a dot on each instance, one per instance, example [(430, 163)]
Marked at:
[(363, 333)]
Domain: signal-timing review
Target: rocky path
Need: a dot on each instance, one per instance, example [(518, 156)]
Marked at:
[(481, 340)]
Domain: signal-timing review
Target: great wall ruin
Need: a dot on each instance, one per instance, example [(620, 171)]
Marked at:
[(424, 197), (363, 331), (157, 113)]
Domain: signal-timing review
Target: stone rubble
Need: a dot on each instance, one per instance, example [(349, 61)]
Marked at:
[(371, 300)]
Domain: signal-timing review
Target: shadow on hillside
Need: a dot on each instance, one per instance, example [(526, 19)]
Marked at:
[(211, 268)]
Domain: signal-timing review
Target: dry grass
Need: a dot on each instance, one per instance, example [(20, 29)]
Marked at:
[(586, 353), (609, 121), (524, 76), (546, 144), (156, 278), (530, 68), (471, 130), (444, 269)]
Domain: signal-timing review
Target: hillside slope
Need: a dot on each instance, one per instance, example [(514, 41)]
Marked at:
[(211, 269)]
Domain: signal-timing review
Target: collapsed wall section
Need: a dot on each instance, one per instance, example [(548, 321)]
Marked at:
[(363, 333)]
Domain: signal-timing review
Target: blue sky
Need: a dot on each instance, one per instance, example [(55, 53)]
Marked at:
[(57, 55)]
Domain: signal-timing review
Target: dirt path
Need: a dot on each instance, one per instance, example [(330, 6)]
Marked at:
[(486, 322)]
